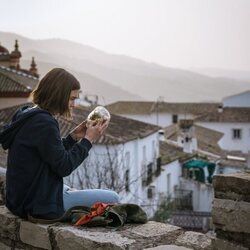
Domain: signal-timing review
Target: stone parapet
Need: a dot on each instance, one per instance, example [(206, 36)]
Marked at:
[(232, 186), (16, 233), (231, 211)]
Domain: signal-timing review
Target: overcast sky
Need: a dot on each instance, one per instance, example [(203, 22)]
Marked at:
[(174, 33)]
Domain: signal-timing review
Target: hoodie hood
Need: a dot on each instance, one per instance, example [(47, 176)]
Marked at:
[(19, 119)]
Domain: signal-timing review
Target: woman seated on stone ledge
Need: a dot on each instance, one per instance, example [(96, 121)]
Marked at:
[(38, 158)]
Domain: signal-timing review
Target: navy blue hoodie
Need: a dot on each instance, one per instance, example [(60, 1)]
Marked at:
[(38, 159)]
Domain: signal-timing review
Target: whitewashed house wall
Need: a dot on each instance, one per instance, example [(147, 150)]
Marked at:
[(136, 160), (202, 194), (164, 186), (239, 100), (227, 142)]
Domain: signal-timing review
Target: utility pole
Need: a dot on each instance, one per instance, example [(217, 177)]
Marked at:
[(159, 100)]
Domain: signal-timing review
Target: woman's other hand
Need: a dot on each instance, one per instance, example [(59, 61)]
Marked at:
[(95, 130)]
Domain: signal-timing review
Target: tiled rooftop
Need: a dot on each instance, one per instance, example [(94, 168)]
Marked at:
[(9, 85), (170, 153), (120, 129), (132, 107), (16, 80), (227, 115), (207, 139)]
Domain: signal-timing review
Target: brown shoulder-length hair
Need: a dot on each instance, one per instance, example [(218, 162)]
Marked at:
[(53, 92)]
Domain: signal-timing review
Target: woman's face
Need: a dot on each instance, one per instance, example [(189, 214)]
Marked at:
[(73, 96)]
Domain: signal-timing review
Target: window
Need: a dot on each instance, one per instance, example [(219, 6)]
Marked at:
[(237, 133), (127, 174), (149, 173), (175, 118), (127, 180), (151, 192), (158, 166)]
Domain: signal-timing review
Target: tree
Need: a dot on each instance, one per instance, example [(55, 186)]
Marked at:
[(105, 167)]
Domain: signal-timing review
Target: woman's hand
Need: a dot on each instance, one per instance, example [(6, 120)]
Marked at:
[(95, 130), (79, 132)]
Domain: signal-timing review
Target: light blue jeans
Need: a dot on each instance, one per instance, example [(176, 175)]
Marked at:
[(87, 197)]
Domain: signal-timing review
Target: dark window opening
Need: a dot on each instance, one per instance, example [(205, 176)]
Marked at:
[(237, 133), (175, 119), (127, 180)]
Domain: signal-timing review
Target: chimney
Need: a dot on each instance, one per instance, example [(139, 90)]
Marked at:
[(186, 138), (161, 135), (220, 109)]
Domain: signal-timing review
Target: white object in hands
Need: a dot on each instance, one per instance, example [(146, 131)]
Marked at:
[(99, 114)]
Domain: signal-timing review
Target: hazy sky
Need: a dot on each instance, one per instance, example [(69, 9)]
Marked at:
[(174, 33)]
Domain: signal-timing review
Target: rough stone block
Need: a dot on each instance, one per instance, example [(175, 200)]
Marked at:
[(168, 247), (231, 215), (4, 247), (197, 241), (232, 196), (219, 244), (9, 224), (74, 238), (239, 238), (238, 183), (35, 235), (153, 229), (153, 234)]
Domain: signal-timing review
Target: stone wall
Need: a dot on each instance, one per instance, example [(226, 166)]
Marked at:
[(231, 211), (16, 233), (231, 218)]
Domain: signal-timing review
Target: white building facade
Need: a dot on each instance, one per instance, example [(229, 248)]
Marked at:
[(239, 100), (121, 167), (236, 135)]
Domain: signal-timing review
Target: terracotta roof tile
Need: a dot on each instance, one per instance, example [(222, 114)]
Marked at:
[(120, 129), (170, 153), (28, 81), (130, 107), (207, 139), (9, 85), (227, 115), (134, 108)]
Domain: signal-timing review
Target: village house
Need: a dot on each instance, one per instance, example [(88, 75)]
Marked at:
[(234, 123), (239, 100), (161, 113), (16, 83)]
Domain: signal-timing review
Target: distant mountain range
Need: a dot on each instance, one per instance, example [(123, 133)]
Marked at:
[(241, 75), (119, 77)]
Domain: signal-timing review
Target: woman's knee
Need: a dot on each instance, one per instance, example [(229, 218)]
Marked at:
[(114, 197)]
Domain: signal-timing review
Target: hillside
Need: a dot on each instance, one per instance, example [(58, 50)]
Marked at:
[(91, 85), (130, 75)]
